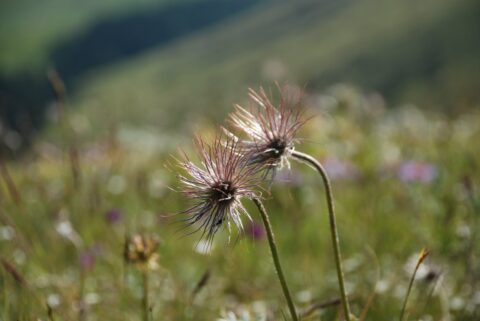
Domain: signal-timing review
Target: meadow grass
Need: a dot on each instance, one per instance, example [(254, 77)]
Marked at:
[(402, 179)]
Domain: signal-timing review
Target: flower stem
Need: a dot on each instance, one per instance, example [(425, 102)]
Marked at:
[(333, 225), (276, 259), (145, 304)]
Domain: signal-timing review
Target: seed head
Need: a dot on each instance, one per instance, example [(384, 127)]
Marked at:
[(217, 186), (141, 250), (270, 130)]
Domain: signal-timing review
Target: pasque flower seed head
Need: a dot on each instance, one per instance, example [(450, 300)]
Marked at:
[(217, 185), (270, 130)]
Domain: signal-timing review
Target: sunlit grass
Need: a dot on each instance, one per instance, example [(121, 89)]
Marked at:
[(402, 180)]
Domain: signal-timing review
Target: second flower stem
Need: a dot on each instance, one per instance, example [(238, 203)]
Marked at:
[(276, 259), (333, 225)]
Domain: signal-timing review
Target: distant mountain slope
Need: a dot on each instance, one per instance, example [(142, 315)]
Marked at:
[(422, 51), (30, 28), (78, 37)]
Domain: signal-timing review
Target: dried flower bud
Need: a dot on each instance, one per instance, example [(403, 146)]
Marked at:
[(141, 250)]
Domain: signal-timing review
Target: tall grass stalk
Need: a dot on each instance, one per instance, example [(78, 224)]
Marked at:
[(59, 90), (423, 254), (333, 225), (9, 182), (276, 259)]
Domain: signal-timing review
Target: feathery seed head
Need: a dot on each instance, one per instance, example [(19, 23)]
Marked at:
[(270, 130), (217, 186)]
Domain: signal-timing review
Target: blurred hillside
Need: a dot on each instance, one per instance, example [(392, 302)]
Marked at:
[(165, 63)]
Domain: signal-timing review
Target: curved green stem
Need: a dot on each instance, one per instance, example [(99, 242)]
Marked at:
[(276, 259), (333, 225)]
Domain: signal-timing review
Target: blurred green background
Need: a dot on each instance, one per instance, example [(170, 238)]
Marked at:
[(394, 88), (136, 62)]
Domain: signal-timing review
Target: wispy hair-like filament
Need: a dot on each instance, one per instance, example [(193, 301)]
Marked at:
[(217, 185), (270, 130)]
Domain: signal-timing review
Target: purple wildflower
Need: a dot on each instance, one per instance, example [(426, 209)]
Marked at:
[(340, 170), (289, 177), (113, 216), (255, 231), (414, 171), (87, 259)]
